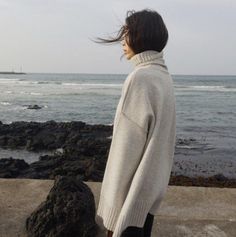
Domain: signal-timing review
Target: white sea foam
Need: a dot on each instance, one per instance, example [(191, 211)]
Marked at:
[(21, 81), (5, 103), (30, 93), (67, 84), (35, 93), (91, 84), (205, 88), (9, 80)]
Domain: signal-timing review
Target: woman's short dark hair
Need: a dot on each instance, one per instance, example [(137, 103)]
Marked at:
[(144, 30)]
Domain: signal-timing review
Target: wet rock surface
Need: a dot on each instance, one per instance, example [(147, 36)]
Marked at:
[(34, 136), (34, 107), (11, 168), (82, 149)]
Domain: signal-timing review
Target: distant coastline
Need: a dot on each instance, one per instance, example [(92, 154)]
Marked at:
[(12, 72)]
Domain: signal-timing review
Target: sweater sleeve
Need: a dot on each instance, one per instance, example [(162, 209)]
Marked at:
[(137, 106), (131, 131), (126, 151)]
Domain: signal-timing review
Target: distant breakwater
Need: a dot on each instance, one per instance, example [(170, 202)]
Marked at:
[(12, 73)]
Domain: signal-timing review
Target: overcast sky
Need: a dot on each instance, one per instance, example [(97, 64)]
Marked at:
[(54, 35)]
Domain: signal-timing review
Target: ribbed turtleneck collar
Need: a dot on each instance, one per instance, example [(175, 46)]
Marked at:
[(148, 57)]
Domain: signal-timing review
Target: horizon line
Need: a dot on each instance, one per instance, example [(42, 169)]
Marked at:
[(173, 74)]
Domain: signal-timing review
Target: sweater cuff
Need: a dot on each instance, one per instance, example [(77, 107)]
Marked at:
[(108, 214), (135, 215), (116, 221)]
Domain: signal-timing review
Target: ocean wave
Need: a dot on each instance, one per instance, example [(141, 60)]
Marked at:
[(91, 84), (205, 88), (5, 103), (44, 82), (48, 82), (67, 84), (225, 112), (35, 93), (9, 80), (15, 81), (25, 82), (30, 93)]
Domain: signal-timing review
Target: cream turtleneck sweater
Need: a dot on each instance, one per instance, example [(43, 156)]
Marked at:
[(142, 148)]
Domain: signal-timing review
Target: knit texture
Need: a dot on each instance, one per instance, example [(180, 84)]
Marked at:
[(141, 154)]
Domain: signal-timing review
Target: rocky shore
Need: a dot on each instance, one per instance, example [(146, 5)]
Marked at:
[(78, 149)]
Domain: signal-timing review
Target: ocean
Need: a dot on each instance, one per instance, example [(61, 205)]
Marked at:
[(205, 110)]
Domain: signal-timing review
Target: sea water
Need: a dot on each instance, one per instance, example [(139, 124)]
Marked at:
[(205, 106)]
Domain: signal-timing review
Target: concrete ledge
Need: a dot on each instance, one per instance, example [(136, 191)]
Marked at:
[(184, 212)]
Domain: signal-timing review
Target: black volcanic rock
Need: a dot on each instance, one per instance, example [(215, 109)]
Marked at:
[(69, 211), (34, 136), (83, 150), (48, 167), (218, 180), (11, 168), (34, 107)]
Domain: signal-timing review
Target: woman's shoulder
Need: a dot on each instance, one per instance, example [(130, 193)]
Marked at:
[(138, 74), (140, 77), (148, 75)]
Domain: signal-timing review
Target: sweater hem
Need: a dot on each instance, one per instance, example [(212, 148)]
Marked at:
[(116, 221), (108, 214), (135, 217)]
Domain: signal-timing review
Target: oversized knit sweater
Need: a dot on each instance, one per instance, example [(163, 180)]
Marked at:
[(141, 154)]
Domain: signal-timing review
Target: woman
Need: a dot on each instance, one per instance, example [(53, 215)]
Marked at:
[(143, 141)]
